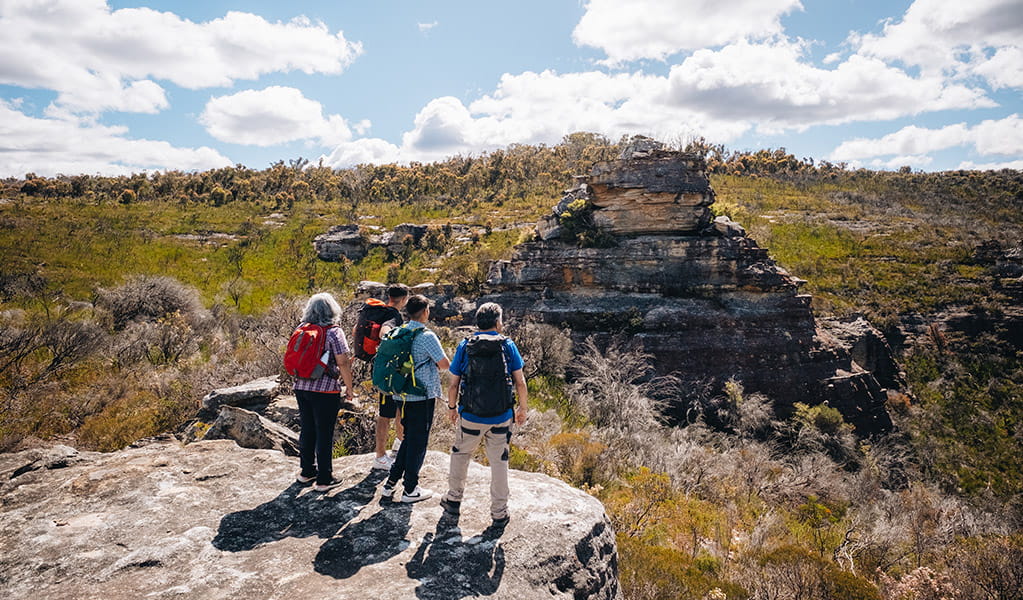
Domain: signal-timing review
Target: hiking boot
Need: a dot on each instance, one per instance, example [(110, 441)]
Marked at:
[(501, 521), (420, 493), (383, 462), (304, 479), (325, 487), (451, 507)]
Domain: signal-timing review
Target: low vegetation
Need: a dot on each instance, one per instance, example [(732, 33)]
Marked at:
[(123, 300)]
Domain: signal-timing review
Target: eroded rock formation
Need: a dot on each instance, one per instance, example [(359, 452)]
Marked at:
[(697, 294), (213, 520)]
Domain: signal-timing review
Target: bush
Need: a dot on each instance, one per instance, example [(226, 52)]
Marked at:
[(149, 298), (547, 350)]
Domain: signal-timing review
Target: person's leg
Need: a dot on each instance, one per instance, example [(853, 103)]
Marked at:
[(306, 434), (398, 468), (386, 414), (418, 419), (399, 431), (498, 441), (325, 413), (467, 439)]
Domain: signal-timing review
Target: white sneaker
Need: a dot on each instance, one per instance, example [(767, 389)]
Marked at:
[(388, 488), (395, 447), (383, 462), (417, 494)]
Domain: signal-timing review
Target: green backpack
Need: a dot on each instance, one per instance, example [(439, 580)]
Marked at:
[(393, 369)]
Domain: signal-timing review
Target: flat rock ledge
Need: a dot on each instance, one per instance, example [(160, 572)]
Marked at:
[(214, 520)]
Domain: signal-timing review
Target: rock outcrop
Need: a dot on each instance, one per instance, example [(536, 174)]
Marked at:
[(697, 294), (213, 520)]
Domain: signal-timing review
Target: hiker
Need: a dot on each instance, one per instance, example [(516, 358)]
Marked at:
[(486, 368), (417, 410), (319, 400), (375, 319)]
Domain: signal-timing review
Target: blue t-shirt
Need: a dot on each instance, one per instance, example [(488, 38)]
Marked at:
[(460, 362)]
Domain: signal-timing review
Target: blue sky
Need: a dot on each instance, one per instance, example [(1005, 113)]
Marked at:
[(115, 86)]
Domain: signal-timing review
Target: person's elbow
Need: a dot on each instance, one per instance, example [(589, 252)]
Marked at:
[(444, 364)]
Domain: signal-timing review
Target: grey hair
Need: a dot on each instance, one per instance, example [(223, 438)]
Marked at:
[(488, 315), (322, 309)]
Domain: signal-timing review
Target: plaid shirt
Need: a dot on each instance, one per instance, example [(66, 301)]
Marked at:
[(336, 344), (426, 352)]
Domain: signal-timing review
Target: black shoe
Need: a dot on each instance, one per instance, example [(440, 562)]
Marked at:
[(450, 506), (502, 521), (326, 487)]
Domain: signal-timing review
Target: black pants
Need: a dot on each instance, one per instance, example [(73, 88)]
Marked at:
[(416, 417), (317, 413)]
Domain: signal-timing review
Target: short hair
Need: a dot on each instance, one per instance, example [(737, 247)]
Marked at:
[(398, 290), (417, 303), (488, 315), (321, 309)]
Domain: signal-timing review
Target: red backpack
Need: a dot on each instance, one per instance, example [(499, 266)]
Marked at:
[(366, 335), (306, 356)]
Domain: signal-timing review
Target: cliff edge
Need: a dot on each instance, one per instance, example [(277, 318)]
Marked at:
[(214, 520)]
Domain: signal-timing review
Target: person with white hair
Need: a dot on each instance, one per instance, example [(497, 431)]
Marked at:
[(319, 400)]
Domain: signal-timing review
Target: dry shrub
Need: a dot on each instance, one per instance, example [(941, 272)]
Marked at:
[(149, 298), (546, 350)]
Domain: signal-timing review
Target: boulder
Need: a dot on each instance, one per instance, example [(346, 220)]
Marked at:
[(213, 520), (258, 392), (250, 430), (724, 226), (868, 348), (341, 241)]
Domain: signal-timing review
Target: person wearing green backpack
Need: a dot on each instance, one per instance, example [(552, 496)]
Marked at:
[(408, 364)]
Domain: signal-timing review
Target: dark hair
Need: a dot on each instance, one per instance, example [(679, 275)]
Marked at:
[(487, 315), (417, 304), (398, 290)]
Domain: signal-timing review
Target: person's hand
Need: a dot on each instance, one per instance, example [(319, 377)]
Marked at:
[(453, 415), (520, 415)]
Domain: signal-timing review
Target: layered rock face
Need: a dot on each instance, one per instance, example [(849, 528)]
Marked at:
[(699, 295), (213, 520)]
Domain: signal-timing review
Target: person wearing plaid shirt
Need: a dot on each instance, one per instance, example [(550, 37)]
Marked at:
[(319, 400)]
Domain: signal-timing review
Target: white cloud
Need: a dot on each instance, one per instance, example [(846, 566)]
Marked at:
[(426, 27), (992, 137), (960, 38), (775, 86), (49, 146), (275, 115), (363, 151), (99, 59), (634, 29), (970, 165)]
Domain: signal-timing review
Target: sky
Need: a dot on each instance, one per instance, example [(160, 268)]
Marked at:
[(117, 87)]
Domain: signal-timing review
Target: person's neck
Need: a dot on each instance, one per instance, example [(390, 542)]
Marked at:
[(491, 330)]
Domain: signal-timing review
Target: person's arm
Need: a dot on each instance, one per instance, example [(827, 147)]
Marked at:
[(522, 392), (344, 364), (453, 398)]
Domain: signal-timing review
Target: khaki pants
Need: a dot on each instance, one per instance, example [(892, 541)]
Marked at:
[(497, 438)]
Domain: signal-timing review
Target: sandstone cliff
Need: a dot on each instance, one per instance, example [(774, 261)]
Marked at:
[(699, 295), (214, 520)]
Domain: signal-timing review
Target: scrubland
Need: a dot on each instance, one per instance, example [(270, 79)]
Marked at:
[(123, 300)]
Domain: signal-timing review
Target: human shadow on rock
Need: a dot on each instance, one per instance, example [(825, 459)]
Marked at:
[(374, 539), (292, 515), (449, 566)]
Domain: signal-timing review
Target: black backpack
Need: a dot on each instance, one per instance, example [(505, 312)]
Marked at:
[(366, 335), (486, 388)]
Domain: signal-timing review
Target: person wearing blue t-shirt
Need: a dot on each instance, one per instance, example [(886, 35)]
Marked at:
[(492, 429)]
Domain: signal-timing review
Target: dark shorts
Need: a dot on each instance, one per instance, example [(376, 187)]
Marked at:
[(388, 407)]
